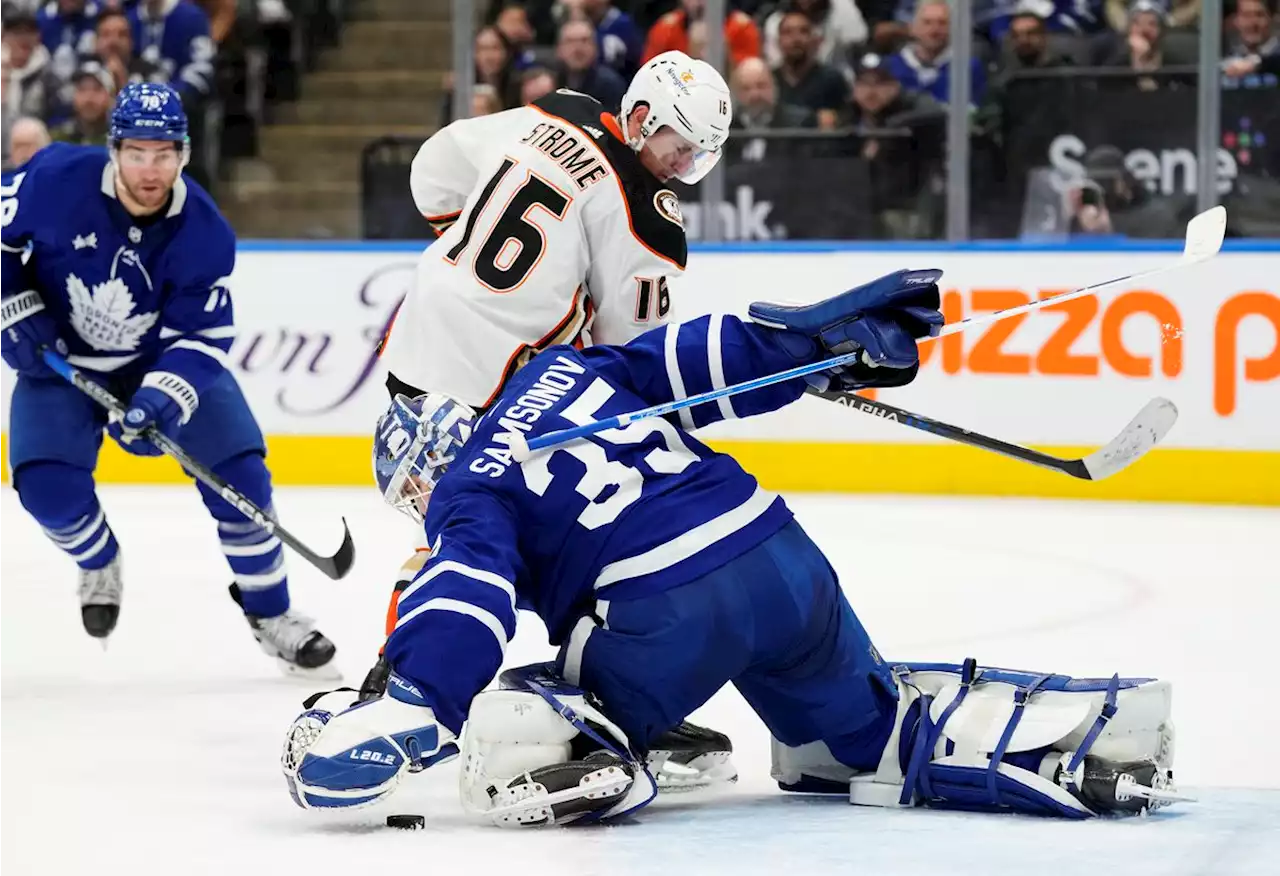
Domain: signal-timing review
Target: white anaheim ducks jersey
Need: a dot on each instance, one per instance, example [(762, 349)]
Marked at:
[(553, 233)]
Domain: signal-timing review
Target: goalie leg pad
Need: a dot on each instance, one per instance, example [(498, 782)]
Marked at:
[(986, 739), (539, 751)]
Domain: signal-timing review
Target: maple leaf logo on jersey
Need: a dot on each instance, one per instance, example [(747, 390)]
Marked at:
[(105, 317)]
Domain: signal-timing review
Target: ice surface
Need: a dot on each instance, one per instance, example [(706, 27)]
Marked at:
[(159, 755)]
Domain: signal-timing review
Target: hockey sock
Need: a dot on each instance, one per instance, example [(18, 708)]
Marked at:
[(62, 500), (255, 556)]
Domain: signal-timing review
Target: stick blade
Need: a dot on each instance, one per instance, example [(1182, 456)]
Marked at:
[(338, 565), (1204, 235), (1144, 432)]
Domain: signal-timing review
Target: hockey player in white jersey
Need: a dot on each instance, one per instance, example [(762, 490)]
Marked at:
[(557, 227), (664, 571)]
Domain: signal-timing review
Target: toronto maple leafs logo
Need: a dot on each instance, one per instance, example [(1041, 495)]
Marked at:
[(104, 317)]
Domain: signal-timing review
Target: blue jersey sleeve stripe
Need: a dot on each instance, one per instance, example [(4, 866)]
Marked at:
[(216, 333), (214, 349), (715, 359), (691, 542), (481, 575), (670, 342), (102, 363), (457, 606)]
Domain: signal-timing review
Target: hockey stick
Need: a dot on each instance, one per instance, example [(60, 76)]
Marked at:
[(335, 566), (1203, 241), (521, 448), (1144, 431)]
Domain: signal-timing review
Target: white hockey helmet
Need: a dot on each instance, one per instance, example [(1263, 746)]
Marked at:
[(688, 96)]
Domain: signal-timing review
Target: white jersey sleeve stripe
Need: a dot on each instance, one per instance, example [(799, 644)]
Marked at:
[(686, 545), (480, 575), (673, 374), (716, 362), (457, 606)]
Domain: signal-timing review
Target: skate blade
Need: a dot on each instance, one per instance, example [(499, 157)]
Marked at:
[(294, 672), (705, 770), (1163, 794)]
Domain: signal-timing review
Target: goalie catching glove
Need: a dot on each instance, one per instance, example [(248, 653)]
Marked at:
[(343, 753), (883, 318)]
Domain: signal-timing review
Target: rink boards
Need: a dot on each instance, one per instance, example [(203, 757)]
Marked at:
[(1067, 378)]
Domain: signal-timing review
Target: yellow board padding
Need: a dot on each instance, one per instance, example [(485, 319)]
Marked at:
[(1247, 477)]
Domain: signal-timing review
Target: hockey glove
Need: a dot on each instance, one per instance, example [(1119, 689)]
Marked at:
[(149, 406), (338, 754), (883, 318), (27, 327)]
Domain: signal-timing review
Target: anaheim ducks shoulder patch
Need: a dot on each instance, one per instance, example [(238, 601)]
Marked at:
[(668, 206)]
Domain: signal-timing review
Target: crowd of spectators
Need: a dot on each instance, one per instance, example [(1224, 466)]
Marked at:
[(65, 60), (879, 69)]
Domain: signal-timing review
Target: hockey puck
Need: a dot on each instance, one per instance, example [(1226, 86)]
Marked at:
[(406, 822)]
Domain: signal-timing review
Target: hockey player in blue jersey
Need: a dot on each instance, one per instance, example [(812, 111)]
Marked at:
[(663, 571), (114, 259)]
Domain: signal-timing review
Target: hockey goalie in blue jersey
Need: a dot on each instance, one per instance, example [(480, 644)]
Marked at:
[(115, 260), (663, 571)]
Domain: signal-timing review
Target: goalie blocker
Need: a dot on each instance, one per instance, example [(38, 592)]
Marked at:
[(995, 740)]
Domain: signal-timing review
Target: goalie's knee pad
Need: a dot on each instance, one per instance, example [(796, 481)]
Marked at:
[(540, 752), (977, 738)]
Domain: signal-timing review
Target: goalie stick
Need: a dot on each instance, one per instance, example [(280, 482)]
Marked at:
[(1203, 241), (335, 566), (1144, 431)]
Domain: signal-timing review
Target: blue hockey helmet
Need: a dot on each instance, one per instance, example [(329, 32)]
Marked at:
[(415, 441), (148, 111)]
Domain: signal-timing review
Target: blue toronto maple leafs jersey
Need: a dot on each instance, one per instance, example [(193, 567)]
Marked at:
[(129, 295), (176, 39), (623, 514)]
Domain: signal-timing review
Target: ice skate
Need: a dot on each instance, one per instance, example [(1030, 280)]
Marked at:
[(292, 638), (688, 756), (1109, 786), (100, 591)]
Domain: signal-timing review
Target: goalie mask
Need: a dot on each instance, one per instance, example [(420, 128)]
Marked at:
[(415, 441)]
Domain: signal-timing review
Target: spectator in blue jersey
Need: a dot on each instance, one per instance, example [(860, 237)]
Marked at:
[(802, 79), (66, 29), (991, 18), (619, 41), (1060, 16), (174, 34), (579, 70), (924, 64)]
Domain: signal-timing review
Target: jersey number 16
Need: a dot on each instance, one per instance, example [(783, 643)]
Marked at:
[(515, 243)]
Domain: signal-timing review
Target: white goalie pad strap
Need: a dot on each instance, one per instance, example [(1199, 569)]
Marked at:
[(177, 388), (19, 307)]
